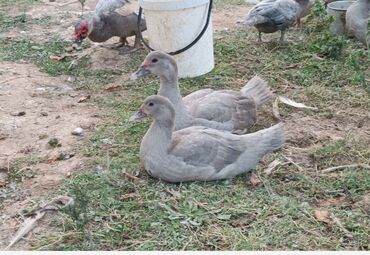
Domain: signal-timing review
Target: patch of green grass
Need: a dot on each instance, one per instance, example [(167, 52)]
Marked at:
[(8, 22), (20, 169), (340, 152), (20, 5), (223, 3), (39, 54)]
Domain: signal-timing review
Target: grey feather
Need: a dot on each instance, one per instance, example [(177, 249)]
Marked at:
[(108, 6), (357, 18)]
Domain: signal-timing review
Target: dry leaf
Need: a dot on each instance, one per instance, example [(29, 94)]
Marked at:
[(2, 184), (272, 166), (254, 180), (26, 227), (294, 104), (275, 109), (129, 195), (174, 193), (330, 201), (132, 177), (112, 86), (244, 220), (322, 216), (57, 57), (294, 66), (54, 157), (39, 212), (83, 99)]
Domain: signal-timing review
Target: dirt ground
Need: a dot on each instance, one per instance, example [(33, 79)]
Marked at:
[(37, 109)]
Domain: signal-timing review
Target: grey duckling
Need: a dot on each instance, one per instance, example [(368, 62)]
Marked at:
[(270, 16), (220, 109), (198, 153), (357, 18), (107, 22)]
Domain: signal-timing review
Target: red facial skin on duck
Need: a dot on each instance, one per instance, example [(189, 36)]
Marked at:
[(82, 32), (146, 64)]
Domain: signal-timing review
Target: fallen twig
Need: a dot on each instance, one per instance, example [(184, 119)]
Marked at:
[(39, 212), (26, 227), (11, 79), (275, 109), (334, 168), (291, 161), (339, 224), (132, 177)]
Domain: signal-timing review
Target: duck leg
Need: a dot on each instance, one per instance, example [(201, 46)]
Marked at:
[(122, 42), (282, 36), (259, 36), (298, 22), (137, 43)]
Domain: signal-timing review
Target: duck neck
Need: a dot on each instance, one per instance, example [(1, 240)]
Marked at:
[(170, 88), (157, 138)]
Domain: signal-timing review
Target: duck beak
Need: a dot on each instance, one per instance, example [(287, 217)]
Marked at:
[(139, 115), (141, 72)]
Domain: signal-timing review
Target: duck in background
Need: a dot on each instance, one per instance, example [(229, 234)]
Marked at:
[(108, 20), (270, 16), (357, 19)]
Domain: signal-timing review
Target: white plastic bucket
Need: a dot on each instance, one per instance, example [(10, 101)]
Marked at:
[(338, 10), (174, 24)]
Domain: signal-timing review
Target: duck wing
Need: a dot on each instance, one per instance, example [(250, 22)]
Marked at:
[(223, 106), (196, 95), (200, 146), (279, 12)]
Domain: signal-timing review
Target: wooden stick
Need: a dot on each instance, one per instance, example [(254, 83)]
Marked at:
[(334, 168)]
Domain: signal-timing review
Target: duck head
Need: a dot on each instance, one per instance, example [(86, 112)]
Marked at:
[(81, 31), (157, 107), (157, 63)]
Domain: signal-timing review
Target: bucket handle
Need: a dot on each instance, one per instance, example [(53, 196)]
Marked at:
[(186, 47)]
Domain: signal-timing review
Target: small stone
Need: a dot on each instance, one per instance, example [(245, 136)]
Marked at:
[(69, 49), (71, 79), (83, 99), (43, 136), (18, 113), (77, 131), (66, 155), (54, 142), (35, 47), (44, 114)]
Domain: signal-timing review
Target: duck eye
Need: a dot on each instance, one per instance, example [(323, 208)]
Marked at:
[(154, 60), (151, 104)]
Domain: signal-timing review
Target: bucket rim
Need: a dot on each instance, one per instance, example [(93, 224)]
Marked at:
[(170, 5), (331, 5)]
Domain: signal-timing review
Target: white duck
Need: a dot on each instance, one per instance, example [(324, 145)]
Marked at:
[(198, 153), (220, 109)]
